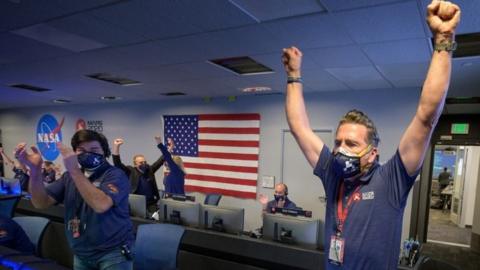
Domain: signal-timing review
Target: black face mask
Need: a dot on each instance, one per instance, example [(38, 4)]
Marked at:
[(90, 161), (279, 197), (348, 165), (144, 168)]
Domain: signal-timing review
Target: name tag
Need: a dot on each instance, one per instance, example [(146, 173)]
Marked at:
[(337, 248)]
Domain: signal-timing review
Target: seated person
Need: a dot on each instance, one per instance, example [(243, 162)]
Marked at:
[(174, 172), (280, 200), (12, 236), (142, 175), (19, 170), (48, 172)]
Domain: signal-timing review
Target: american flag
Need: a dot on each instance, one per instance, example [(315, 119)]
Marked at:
[(219, 151)]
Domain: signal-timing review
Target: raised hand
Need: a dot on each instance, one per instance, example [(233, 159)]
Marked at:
[(70, 160), (117, 142), (33, 160), (292, 61), (263, 199), (158, 139), (443, 17)]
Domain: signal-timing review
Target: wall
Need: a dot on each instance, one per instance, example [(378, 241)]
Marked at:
[(138, 123), (471, 181)]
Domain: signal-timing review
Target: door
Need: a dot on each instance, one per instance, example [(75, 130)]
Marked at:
[(304, 188), (458, 185)]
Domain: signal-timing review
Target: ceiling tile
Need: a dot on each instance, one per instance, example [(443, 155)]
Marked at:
[(383, 23), (266, 10), (345, 56), (312, 31), (360, 77), (401, 51), (336, 5)]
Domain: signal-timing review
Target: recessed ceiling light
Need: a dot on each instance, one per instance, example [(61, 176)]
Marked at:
[(173, 94), (61, 101), (256, 89), (110, 98)]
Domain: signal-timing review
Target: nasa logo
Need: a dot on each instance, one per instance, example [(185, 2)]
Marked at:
[(49, 133)]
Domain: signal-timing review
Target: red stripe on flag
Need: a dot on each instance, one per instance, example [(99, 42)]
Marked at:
[(236, 117), (229, 143), (226, 192), (221, 167), (225, 130), (228, 156), (219, 179)]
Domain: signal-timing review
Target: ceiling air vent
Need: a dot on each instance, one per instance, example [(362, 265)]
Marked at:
[(173, 94), (467, 45), (30, 87), (242, 65), (113, 79)]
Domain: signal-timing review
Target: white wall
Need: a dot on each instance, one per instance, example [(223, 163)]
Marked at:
[(137, 123), (470, 185)]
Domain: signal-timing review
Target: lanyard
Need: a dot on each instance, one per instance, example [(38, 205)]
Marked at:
[(342, 212)]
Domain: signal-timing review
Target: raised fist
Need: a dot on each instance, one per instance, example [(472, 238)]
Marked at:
[(158, 139), (443, 17), (118, 142), (292, 60)]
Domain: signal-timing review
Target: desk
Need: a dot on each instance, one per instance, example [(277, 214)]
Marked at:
[(13, 258), (214, 250)]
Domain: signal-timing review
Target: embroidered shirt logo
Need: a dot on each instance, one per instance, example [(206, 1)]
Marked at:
[(369, 195)]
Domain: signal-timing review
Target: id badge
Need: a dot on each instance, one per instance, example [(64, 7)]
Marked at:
[(337, 248)]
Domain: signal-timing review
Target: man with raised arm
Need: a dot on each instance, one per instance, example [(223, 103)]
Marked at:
[(365, 200)]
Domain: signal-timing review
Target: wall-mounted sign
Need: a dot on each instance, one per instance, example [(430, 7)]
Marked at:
[(49, 133)]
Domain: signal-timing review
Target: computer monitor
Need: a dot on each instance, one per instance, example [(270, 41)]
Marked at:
[(179, 212), (223, 219), (300, 231), (138, 205), (10, 186)]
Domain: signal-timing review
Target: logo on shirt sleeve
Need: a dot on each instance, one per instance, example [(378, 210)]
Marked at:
[(112, 188), (3, 233), (369, 195)]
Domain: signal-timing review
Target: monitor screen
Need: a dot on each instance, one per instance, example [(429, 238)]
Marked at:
[(300, 231), (224, 219), (10, 186), (138, 205), (179, 212)]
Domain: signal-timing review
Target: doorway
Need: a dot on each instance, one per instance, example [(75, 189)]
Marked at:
[(452, 197)]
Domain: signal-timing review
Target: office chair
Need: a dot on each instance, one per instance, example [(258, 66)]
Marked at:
[(7, 206), (157, 246), (34, 227), (212, 199)]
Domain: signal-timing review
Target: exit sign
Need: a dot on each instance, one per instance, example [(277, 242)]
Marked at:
[(460, 128)]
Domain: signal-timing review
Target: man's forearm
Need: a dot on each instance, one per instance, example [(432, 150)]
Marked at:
[(295, 108), (40, 198), (94, 197), (435, 87)]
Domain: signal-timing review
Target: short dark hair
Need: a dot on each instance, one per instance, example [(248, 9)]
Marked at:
[(359, 117), (48, 163), (86, 135)]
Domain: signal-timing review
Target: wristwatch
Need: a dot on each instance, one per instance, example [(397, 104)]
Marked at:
[(448, 46)]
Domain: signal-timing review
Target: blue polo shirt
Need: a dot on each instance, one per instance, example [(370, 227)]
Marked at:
[(99, 233), (373, 228)]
